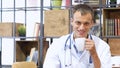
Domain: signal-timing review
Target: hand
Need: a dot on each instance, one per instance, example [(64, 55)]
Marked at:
[(90, 46)]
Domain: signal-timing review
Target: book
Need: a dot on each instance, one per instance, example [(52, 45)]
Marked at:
[(110, 27), (118, 27), (36, 31), (29, 57), (33, 57), (32, 53)]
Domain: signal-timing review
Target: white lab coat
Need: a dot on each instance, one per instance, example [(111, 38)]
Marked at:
[(55, 57)]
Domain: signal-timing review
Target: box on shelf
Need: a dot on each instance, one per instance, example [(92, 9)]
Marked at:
[(114, 46), (56, 23), (7, 28)]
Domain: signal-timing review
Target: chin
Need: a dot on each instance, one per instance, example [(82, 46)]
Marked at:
[(80, 36)]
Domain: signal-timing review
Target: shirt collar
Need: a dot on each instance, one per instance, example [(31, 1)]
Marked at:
[(73, 45)]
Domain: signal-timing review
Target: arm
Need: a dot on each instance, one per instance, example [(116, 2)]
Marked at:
[(51, 59), (96, 60), (90, 46), (105, 57), (103, 60)]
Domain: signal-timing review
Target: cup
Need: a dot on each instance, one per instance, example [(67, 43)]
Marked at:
[(56, 4), (80, 44)]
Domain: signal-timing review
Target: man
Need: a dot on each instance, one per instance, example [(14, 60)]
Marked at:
[(63, 53)]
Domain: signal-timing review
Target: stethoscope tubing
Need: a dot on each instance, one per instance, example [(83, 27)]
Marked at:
[(68, 52)]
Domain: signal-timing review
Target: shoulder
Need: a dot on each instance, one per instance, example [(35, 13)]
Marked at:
[(60, 42), (103, 51), (102, 48), (99, 42), (61, 39)]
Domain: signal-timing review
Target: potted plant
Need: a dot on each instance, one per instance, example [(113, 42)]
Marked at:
[(56, 4), (22, 31), (113, 3)]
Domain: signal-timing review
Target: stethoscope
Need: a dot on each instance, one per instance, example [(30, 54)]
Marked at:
[(68, 55)]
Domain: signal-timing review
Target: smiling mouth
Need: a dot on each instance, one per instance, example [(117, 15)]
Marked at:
[(81, 32)]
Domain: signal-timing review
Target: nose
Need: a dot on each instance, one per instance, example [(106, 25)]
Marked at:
[(81, 27)]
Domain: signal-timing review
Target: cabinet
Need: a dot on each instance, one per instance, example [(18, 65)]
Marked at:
[(111, 28), (6, 29), (54, 20), (23, 48)]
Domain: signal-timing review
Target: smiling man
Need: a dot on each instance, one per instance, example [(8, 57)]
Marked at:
[(63, 53)]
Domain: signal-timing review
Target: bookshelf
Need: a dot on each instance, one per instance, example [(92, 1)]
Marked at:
[(111, 28)]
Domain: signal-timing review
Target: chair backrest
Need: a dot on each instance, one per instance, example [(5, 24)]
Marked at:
[(24, 65)]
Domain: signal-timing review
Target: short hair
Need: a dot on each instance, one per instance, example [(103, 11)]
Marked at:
[(84, 9)]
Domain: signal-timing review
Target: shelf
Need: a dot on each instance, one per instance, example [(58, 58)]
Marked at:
[(6, 29), (114, 46), (111, 29), (23, 48), (110, 37), (111, 22)]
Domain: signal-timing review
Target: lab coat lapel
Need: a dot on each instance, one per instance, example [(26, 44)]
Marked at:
[(82, 60), (77, 64)]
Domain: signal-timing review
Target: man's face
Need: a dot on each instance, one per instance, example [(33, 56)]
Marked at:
[(81, 24)]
